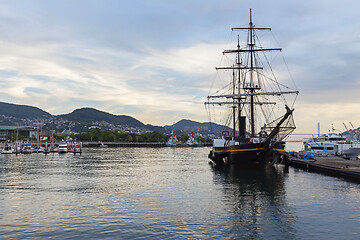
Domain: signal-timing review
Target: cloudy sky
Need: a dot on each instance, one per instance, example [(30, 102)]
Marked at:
[(155, 59)]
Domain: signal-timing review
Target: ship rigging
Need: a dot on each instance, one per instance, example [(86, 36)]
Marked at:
[(252, 95)]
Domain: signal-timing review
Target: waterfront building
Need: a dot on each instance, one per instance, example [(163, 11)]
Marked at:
[(27, 131)]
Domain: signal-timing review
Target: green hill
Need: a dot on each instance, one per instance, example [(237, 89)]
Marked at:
[(88, 115), (22, 111)]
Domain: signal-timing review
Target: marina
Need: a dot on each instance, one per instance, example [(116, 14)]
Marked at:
[(29, 148), (104, 135)]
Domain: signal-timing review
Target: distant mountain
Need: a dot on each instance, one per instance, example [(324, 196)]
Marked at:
[(155, 128), (88, 115), (22, 111), (81, 119), (187, 123), (189, 126)]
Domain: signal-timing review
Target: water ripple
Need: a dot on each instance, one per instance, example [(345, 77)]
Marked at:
[(164, 193)]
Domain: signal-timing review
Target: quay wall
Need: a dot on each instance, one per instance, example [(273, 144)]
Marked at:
[(334, 166)]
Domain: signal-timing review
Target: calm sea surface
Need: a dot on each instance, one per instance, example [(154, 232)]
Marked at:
[(164, 193)]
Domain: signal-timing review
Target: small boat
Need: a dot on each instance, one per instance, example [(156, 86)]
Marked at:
[(38, 149), (174, 142), (102, 145), (78, 148), (27, 148), (53, 149), (63, 148), (191, 142), (7, 149)]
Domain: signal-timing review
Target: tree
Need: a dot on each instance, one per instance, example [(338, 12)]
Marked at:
[(184, 137), (129, 138)]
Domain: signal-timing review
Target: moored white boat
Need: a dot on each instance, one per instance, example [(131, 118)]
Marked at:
[(332, 144), (38, 149), (27, 148), (7, 149), (63, 148), (191, 142), (174, 142)]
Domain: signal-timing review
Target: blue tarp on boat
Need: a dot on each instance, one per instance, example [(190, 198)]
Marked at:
[(308, 156)]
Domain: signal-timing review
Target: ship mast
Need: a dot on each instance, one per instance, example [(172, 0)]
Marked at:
[(234, 106), (250, 88), (238, 63), (251, 50)]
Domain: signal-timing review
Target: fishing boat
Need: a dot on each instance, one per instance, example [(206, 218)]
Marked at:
[(258, 109)]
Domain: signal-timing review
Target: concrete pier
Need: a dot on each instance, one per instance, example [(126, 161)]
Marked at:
[(331, 165)]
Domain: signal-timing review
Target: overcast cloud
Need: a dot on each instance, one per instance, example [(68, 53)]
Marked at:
[(154, 60)]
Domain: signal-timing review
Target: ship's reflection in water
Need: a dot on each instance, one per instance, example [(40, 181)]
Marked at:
[(257, 202)]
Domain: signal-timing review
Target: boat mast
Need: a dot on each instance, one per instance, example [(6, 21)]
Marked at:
[(234, 106), (251, 45), (238, 62)]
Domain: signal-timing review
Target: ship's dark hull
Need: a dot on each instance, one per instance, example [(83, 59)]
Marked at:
[(258, 155)]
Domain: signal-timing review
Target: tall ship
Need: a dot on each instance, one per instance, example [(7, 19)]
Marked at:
[(253, 103)]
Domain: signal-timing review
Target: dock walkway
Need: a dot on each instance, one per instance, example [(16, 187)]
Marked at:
[(332, 165)]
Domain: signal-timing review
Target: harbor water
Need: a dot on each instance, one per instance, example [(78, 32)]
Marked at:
[(168, 193)]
